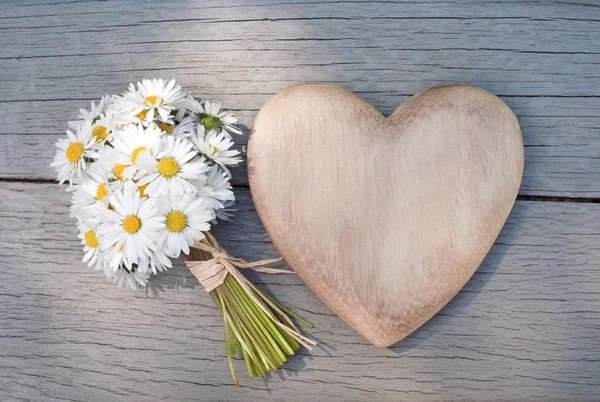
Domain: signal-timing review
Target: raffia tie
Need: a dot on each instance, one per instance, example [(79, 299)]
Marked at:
[(212, 273)]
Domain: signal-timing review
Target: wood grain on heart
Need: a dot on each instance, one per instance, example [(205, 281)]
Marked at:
[(385, 219)]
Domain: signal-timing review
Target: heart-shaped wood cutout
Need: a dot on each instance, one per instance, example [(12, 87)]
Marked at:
[(385, 219)]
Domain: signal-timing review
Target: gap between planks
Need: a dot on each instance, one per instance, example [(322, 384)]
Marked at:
[(539, 198)]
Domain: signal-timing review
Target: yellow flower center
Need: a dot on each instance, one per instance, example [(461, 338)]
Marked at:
[(136, 152), (176, 221), (166, 127), (141, 115), (168, 167), (101, 191), (151, 100), (90, 239), (142, 188), (118, 170), (215, 149), (99, 132), (131, 224), (74, 152)]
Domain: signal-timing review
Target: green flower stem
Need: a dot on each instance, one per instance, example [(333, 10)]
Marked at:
[(255, 324), (251, 330), (267, 344), (281, 335), (241, 333), (258, 336), (272, 328), (229, 341), (281, 338)]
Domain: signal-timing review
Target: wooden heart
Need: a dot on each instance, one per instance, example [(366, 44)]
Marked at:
[(385, 219)]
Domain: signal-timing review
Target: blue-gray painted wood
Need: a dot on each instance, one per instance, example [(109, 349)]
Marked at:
[(542, 58), (526, 325)]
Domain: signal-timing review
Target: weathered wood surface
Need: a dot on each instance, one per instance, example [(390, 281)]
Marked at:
[(524, 327), (542, 58), (527, 324)]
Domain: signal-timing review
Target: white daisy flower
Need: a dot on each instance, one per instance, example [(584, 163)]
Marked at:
[(225, 213), (216, 189), (154, 99), (215, 147), (186, 127), (120, 111), (170, 170), (69, 160), (165, 127), (95, 188), (90, 116), (157, 261), (212, 117), (91, 246), (114, 258), (103, 126), (131, 226), (134, 138), (95, 111), (185, 218), (131, 279), (117, 166)]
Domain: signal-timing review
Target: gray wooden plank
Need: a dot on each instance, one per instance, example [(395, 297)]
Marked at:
[(485, 22), (541, 57), (524, 327), (560, 136)]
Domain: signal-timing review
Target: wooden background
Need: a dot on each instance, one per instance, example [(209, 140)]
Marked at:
[(527, 325)]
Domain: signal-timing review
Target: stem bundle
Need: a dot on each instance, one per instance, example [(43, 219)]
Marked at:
[(255, 324)]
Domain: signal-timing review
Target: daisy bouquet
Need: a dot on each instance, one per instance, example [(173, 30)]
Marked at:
[(149, 174)]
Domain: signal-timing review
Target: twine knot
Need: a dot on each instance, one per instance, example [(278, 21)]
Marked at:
[(220, 254), (212, 273)]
